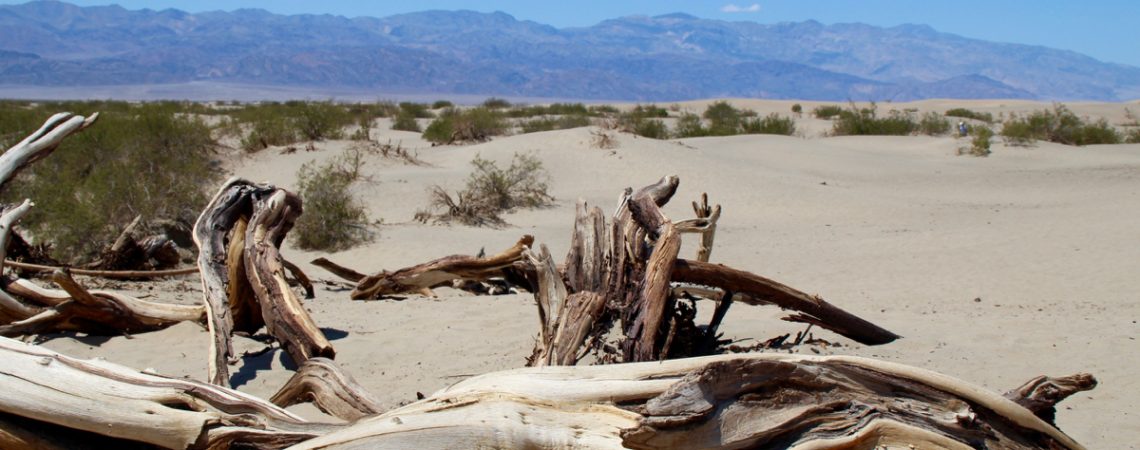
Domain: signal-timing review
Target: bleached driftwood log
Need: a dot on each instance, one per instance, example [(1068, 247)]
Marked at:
[(433, 273), (243, 277), (727, 401)]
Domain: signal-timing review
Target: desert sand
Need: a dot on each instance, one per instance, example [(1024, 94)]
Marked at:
[(995, 270)]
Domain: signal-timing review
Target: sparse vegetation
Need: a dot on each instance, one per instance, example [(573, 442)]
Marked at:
[(603, 140), (440, 104), (968, 114), (797, 109), (491, 191), (1058, 125), (496, 103), (980, 144), (147, 159), (856, 121), (689, 125), (554, 123), (644, 120), (333, 218), (933, 124), (406, 121), (770, 124), (826, 111), (471, 125), (416, 110)]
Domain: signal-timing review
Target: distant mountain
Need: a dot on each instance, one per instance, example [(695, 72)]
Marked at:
[(669, 57)]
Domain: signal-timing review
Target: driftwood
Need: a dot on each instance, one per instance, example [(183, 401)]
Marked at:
[(727, 401), (433, 273), (243, 276)]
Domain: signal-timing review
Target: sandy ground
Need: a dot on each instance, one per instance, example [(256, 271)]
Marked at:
[(995, 269)]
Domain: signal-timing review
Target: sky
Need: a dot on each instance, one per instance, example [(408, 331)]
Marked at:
[(1108, 30)]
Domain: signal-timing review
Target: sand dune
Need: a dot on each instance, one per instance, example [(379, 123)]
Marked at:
[(994, 269)]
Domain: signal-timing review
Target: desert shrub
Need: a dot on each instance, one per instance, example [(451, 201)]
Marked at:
[(1058, 125), (317, 121), (770, 124), (554, 123), (797, 109), (856, 121), (826, 111), (333, 218), (406, 121), (603, 110), (454, 125), (1132, 136), (649, 111), (723, 118), (933, 124), (416, 110), (150, 160), (980, 143), (689, 125), (440, 104), (603, 140), (491, 190), (643, 120), (968, 114), (496, 103)]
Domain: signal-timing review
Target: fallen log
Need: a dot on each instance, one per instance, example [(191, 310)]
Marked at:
[(728, 401), (433, 273)]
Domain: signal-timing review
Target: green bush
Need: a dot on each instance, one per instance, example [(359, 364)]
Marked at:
[(643, 120), (723, 118), (496, 103), (440, 104), (416, 110), (333, 218), (980, 144), (826, 111), (406, 121), (554, 123), (491, 190), (454, 126), (771, 124), (797, 109), (316, 121), (649, 111), (149, 159), (968, 114), (651, 128), (689, 125), (603, 110), (856, 121), (933, 124), (1058, 125)]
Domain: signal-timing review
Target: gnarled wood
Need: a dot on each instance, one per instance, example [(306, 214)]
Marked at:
[(41, 143), (113, 401), (812, 309), (338, 270), (1041, 394), (321, 382), (433, 273), (284, 316)]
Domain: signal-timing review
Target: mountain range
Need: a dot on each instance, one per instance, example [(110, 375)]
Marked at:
[(637, 58)]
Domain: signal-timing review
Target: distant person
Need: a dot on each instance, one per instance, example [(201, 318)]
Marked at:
[(962, 130)]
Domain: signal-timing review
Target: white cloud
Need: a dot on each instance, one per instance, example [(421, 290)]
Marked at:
[(732, 8)]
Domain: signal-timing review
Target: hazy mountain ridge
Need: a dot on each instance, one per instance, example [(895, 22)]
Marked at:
[(668, 57)]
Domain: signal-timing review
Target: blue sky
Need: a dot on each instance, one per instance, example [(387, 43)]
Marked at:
[(1108, 30)]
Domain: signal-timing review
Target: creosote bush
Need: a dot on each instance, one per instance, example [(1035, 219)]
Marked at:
[(980, 144), (406, 121), (1058, 125), (771, 124), (933, 124), (491, 191), (469, 125), (968, 114), (333, 219), (826, 111), (149, 159), (856, 121)]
